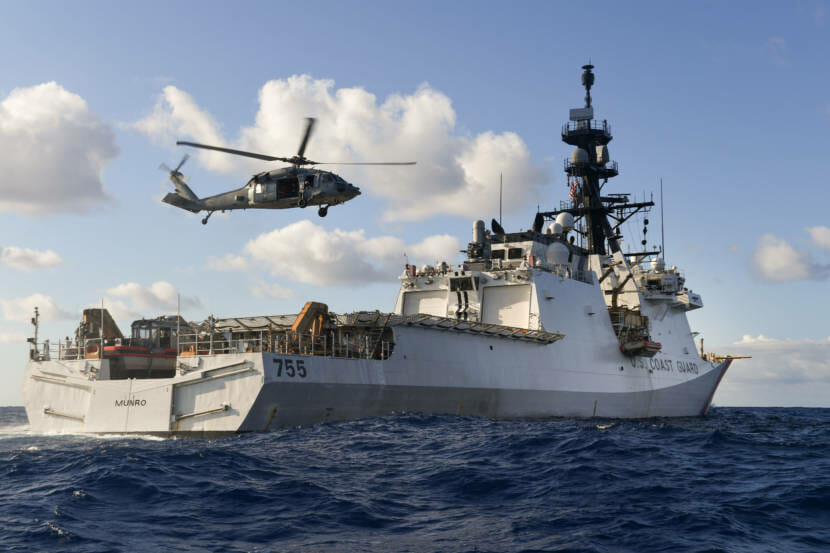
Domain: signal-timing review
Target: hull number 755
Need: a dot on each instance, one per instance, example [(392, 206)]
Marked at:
[(290, 367)]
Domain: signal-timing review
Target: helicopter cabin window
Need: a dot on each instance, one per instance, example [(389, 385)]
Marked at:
[(258, 188), (498, 254), (288, 187), (514, 253)]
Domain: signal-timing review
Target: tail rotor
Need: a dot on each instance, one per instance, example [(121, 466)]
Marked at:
[(186, 198), (174, 172)]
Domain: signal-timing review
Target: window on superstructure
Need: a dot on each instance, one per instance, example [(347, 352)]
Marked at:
[(498, 254), (463, 284), (514, 253)]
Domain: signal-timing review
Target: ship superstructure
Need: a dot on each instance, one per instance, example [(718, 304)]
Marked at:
[(557, 320)]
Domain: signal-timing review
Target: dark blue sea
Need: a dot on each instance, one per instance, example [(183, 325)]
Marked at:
[(736, 480)]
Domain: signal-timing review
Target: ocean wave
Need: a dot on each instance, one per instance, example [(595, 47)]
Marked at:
[(737, 480)]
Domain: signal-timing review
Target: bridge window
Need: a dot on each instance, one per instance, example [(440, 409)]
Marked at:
[(514, 253), (498, 254)]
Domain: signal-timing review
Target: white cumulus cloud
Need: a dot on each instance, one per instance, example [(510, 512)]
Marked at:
[(159, 298), (54, 151), (820, 236), (27, 259), (272, 290), (308, 253), (228, 262), (456, 173), (23, 309), (175, 116), (782, 371), (777, 260), (787, 359)]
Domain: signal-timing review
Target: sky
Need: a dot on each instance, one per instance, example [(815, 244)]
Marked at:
[(727, 103)]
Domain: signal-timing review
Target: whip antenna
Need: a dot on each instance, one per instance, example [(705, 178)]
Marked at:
[(500, 185), (662, 226)]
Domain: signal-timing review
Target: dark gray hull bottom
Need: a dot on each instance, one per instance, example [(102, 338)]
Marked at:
[(286, 404)]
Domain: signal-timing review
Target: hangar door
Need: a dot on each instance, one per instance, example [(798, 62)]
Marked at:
[(506, 305), (431, 302)]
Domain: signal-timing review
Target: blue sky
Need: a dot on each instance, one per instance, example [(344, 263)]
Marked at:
[(727, 102)]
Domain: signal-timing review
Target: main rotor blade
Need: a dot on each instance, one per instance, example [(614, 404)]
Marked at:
[(234, 152), (364, 162), (308, 129)]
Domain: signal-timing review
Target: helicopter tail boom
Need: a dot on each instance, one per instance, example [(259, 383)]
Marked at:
[(183, 197), (181, 187), (175, 199)]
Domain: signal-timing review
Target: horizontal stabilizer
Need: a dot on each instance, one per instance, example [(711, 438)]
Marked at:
[(174, 199)]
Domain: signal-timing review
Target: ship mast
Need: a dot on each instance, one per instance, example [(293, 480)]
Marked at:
[(588, 170)]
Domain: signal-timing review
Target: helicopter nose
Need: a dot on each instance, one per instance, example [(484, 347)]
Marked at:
[(355, 191)]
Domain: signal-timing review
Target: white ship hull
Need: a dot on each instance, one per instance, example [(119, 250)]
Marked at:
[(431, 371)]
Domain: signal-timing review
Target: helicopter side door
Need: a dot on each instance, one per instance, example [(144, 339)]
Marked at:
[(287, 187)]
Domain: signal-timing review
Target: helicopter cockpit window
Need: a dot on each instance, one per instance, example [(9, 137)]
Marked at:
[(325, 178)]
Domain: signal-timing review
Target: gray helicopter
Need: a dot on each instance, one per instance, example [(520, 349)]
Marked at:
[(282, 188)]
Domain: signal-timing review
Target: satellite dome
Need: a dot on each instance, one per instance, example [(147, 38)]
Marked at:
[(657, 264), (558, 253), (566, 220), (555, 228), (580, 157)]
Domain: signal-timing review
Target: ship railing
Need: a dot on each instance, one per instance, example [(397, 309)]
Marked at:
[(68, 350), (586, 125), (612, 166), (336, 344)]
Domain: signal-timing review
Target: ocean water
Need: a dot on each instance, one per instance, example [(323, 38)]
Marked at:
[(735, 480)]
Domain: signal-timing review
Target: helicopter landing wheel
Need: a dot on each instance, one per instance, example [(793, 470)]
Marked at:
[(205, 220), (323, 211), (302, 203)]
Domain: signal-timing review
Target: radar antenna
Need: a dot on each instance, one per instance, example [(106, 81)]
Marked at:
[(587, 82), (588, 170)]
